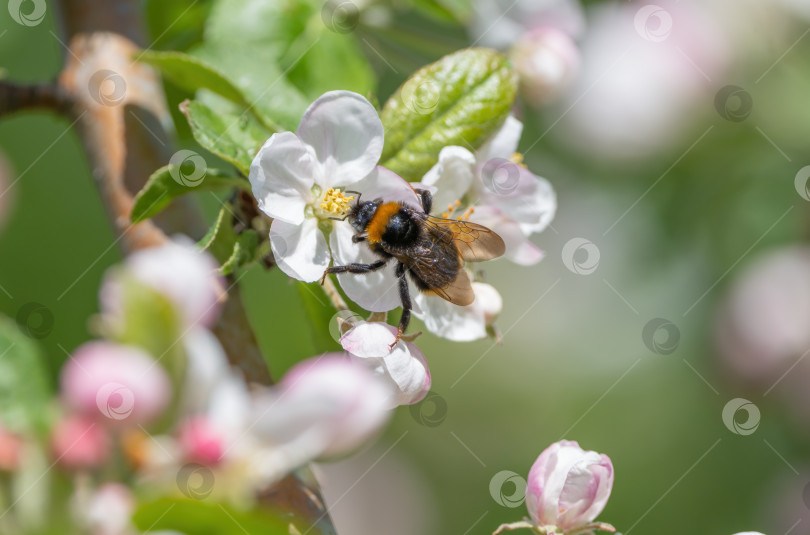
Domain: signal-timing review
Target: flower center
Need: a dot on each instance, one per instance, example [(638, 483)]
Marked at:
[(517, 158), (453, 207), (335, 204)]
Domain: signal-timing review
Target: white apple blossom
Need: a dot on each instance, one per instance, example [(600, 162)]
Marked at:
[(506, 197), (403, 367), (460, 323), (299, 178)]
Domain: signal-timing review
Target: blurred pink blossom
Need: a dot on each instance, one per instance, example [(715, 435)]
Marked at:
[(79, 442), (115, 384), (762, 326), (201, 441), (10, 450), (500, 23), (645, 69)]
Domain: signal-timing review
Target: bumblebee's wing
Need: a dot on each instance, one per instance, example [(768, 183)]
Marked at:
[(475, 242), (437, 268), (459, 292)]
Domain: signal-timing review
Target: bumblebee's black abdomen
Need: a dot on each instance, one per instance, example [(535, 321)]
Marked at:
[(401, 229)]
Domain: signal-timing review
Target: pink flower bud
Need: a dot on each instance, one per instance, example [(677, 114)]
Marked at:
[(568, 487), (546, 60), (201, 442), (10, 450), (114, 383), (79, 442)]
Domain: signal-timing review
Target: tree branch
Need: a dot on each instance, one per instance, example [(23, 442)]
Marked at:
[(17, 97)]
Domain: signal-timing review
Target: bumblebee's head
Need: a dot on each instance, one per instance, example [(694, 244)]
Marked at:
[(361, 213)]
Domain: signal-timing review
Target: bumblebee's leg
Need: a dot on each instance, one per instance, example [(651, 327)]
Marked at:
[(405, 298), (354, 268), (357, 238), (426, 198)]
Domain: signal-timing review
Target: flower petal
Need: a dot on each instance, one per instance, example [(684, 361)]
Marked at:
[(586, 492), (516, 191), (300, 250), (519, 249), (377, 291), (389, 186), (347, 135), (456, 323), (452, 176), (281, 177), (504, 143), (404, 367)]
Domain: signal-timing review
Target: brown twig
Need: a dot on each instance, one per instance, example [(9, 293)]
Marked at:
[(18, 97)]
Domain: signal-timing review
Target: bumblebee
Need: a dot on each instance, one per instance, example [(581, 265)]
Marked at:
[(430, 250)]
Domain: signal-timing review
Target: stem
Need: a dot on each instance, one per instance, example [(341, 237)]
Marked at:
[(17, 97)]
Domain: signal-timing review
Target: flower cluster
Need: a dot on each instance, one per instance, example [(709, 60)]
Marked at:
[(307, 181), (156, 402)]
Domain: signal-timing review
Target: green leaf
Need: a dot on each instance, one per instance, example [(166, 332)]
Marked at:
[(172, 181), (255, 71), (232, 250), (461, 99), (192, 73), (234, 138), (197, 517), (24, 392)]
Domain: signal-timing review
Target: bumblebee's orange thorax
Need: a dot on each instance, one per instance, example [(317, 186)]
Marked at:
[(376, 227)]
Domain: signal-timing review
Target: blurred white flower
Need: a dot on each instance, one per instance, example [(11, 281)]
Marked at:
[(644, 70), (546, 60), (499, 23), (179, 271), (296, 178), (108, 511), (505, 196), (403, 367)]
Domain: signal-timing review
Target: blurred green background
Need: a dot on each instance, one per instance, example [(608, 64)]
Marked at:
[(673, 227)]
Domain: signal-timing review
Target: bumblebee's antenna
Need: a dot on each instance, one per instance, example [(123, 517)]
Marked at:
[(340, 218), (357, 192)]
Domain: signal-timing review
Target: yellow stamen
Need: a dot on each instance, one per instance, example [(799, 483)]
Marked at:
[(334, 202), (518, 159), (467, 213)]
